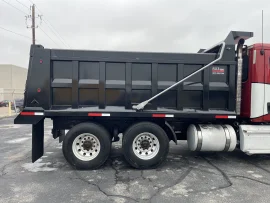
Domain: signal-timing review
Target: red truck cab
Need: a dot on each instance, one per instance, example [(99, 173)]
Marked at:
[(255, 102)]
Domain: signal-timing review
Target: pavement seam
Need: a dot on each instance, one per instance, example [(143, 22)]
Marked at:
[(102, 191), (178, 181), (225, 176), (241, 176), (238, 176)]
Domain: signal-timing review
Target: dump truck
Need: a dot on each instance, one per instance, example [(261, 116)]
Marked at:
[(217, 99)]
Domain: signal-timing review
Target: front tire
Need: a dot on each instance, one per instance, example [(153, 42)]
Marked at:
[(145, 145), (87, 146)]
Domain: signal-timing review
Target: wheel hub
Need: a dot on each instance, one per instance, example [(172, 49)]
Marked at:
[(145, 144), (87, 145)]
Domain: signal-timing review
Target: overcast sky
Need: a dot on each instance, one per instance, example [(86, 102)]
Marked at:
[(132, 25)]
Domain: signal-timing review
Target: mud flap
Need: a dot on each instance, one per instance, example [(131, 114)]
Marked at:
[(172, 132), (37, 140)]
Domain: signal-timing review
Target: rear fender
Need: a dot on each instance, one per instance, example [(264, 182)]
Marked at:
[(170, 132)]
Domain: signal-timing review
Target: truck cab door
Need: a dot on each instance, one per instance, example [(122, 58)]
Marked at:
[(260, 87)]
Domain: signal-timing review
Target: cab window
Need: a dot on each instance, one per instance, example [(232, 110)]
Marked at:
[(245, 65)]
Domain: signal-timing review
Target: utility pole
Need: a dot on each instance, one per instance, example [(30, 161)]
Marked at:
[(33, 25)]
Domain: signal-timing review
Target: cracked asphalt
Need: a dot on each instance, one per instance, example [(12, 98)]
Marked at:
[(185, 176)]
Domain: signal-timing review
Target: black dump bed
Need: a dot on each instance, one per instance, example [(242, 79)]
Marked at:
[(68, 80)]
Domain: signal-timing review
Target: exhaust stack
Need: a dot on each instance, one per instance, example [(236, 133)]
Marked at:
[(239, 75)]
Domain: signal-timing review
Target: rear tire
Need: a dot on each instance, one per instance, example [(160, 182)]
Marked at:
[(87, 146), (145, 145)]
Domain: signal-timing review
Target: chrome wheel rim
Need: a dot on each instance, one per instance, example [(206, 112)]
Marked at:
[(146, 146), (86, 147)]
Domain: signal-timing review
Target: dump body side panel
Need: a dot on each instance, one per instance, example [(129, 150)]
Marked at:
[(60, 79), (75, 79)]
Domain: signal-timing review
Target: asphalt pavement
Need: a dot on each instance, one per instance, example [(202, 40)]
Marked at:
[(185, 176)]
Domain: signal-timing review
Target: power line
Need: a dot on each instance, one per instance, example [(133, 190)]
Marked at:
[(15, 7), (22, 4), (47, 35), (15, 33), (52, 28), (56, 33)]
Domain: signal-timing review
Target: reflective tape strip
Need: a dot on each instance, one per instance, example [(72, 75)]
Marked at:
[(106, 114), (27, 113), (39, 114), (162, 115), (169, 115), (225, 117), (221, 116), (98, 114)]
